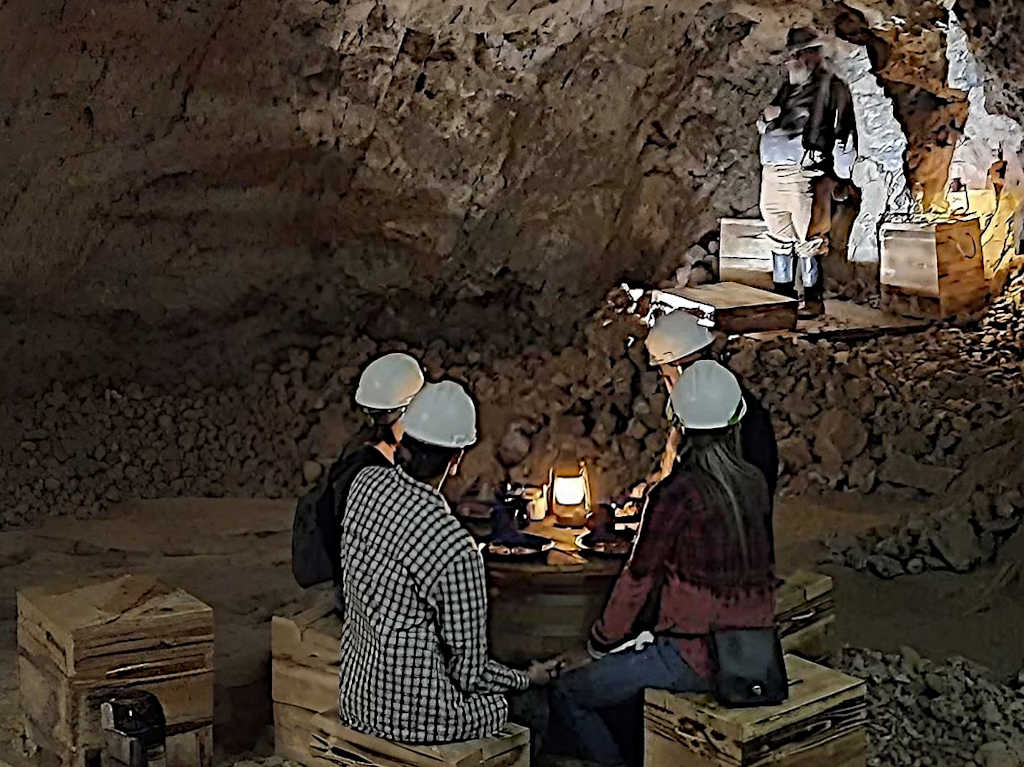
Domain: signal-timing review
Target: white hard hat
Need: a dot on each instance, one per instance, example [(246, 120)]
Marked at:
[(676, 335), (707, 396), (389, 382), (442, 414)]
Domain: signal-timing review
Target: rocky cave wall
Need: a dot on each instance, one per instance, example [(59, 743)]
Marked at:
[(198, 259), (415, 170)]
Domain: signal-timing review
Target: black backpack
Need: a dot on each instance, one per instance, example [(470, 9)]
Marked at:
[(314, 535), (316, 541)]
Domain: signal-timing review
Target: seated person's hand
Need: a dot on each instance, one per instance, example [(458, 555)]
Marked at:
[(541, 673), (772, 112)]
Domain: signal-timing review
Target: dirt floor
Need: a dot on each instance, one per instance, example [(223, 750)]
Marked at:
[(234, 554)]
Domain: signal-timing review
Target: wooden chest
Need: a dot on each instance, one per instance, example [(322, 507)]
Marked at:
[(745, 252), (732, 307), (805, 615), (79, 643), (821, 725), (304, 649), (933, 269)]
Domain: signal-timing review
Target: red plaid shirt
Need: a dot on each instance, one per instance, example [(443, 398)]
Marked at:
[(686, 549)]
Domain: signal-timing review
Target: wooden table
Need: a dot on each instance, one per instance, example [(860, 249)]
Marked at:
[(541, 609)]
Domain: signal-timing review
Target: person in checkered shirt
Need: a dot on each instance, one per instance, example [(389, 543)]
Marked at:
[(414, 663)]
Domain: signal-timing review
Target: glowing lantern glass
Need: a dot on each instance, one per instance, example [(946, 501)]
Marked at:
[(570, 493)]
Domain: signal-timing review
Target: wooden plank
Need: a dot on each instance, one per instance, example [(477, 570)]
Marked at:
[(744, 239), (800, 587), (303, 686), (757, 278), (309, 645), (733, 307)]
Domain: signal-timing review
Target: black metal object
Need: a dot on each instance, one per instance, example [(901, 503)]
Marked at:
[(134, 730)]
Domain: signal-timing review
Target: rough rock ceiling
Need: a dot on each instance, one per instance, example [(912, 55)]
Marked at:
[(452, 166)]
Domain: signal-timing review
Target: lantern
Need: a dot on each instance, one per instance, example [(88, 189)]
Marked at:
[(570, 493)]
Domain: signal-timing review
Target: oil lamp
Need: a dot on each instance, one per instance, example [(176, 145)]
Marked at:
[(570, 493)]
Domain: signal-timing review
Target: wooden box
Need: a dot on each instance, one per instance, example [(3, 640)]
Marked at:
[(304, 649), (745, 252), (805, 614), (78, 643), (334, 744), (732, 307), (933, 269), (821, 725)]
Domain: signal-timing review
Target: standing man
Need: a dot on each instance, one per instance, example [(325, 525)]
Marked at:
[(810, 116), (414, 663)]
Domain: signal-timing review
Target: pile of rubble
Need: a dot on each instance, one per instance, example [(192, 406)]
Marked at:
[(945, 715), (79, 447), (933, 416)]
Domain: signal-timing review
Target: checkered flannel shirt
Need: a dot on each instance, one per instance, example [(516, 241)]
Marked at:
[(414, 664)]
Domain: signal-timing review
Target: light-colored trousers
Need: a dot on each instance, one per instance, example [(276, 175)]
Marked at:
[(787, 204)]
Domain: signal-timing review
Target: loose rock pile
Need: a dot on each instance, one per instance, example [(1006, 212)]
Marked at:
[(945, 715), (81, 446), (933, 416)]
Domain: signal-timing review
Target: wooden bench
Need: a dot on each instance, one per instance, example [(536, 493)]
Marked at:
[(821, 725), (82, 641), (334, 744)]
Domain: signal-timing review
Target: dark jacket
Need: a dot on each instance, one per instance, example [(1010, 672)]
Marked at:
[(820, 109), (757, 440)]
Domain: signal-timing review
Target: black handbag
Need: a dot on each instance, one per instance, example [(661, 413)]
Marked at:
[(750, 669)]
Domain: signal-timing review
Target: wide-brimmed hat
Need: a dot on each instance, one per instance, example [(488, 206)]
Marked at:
[(801, 39)]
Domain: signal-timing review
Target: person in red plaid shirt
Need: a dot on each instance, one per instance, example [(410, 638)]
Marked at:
[(704, 547)]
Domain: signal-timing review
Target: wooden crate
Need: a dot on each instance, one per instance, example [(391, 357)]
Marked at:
[(933, 269), (334, 744), (822, 723), (745, 252), (80, 643), (304, 649), (732, 307), (805, 614)]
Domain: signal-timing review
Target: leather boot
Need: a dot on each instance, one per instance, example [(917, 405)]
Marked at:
[(787, 289), (813, 304)]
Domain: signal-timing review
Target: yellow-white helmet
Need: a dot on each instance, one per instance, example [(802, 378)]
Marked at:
[(442, 414), (674, 336), (389, 382), (707, 396)]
